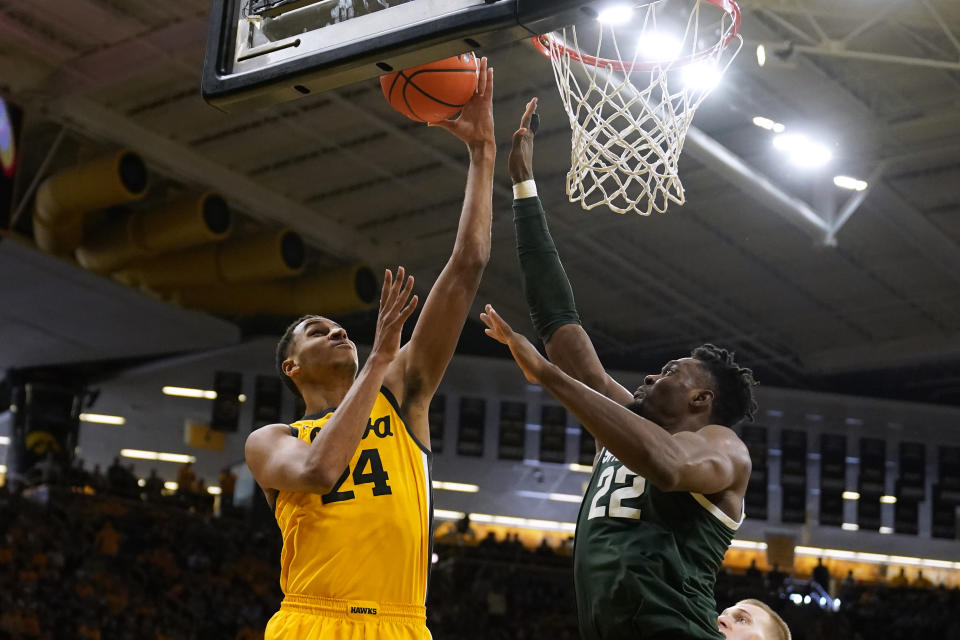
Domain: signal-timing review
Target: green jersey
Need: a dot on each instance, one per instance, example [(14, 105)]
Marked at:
[(645, 561)]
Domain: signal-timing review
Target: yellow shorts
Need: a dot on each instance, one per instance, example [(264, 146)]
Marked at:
[(312, 618)]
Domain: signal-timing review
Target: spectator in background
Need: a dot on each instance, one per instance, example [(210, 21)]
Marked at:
[(186, 479), (775, 578), (920, 582), (544, 550), (116, 476), (753, 572), (821, 575), (899, 580), (228, 484), (464, 531), (108, 540), (97, 480), (153, 489)]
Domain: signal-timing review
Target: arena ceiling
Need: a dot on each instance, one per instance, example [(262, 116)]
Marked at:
[(878, 313)]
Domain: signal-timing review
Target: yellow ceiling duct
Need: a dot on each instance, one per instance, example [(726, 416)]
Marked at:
[(183, 223), (279, 254), (63, 199), (342, 291)]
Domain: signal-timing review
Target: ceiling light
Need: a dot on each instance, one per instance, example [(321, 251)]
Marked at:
[(214, 491), (661, 47), (616, 14), (100, 418), (702, 75), (850, 526), (556, 497), (769, 125), (4, 439), (851, 495), (802, 151), (140, 454), (3, 468), (886, 530), (581, 468), (888, 499), (853, 184), (141, 482), (188, 392), (761, 55), (170, 486), (456, 486)]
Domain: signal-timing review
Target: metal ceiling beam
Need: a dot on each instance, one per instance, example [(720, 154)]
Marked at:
[(853, 204), (894, 353), (720, 159), (916, 229), (242, 190)]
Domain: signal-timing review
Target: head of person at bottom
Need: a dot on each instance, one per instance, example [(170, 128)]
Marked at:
[(707, 387), (315, 351), (752, 620)]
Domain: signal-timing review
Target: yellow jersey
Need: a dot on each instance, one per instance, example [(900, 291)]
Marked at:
[(368, 538)]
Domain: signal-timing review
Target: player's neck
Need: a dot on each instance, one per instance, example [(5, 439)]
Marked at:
[(687, 423), (327, 394)]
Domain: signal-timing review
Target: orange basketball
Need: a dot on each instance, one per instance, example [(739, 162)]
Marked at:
[(434, 91)]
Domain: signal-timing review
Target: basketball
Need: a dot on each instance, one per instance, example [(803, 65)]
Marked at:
[(434, 91)]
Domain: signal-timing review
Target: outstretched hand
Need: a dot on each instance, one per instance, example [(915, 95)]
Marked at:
[(521, 155), (475, 124), (529, 360), (396, 306)]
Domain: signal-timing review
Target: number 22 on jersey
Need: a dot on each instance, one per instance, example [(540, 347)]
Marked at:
[(615, 508)]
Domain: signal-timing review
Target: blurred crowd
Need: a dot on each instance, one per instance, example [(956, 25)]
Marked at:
[(140, 565)]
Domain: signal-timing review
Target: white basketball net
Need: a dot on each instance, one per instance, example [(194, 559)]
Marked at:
[(630, 115)]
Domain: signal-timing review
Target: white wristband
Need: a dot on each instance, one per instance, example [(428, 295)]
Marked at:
[(525, 189)]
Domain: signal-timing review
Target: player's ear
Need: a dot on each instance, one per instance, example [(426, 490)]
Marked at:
[(701, 400), (289, 367)]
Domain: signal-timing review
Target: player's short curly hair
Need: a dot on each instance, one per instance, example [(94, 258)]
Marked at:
[(283, 347), (733, 400)]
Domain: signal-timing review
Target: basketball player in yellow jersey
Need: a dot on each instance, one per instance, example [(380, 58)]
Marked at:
[(350, 482)]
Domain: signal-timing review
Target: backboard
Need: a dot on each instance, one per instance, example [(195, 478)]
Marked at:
[(262, 52)]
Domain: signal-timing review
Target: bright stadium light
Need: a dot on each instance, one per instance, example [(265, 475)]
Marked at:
[(580, 468), (851, 495), (761, 55), (100, 418), (702, 75), (850, 526), (769, 125), (140, 454), (660, 47), (802, 151), (170, 485), (853, 184), (456, 486), (886, 530), (888, 499), (616, 14), (4, 439), (188, 392)]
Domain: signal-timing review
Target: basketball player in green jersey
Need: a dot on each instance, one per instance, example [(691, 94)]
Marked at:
[(666, 496)]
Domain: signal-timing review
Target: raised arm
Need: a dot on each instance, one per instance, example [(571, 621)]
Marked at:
[(708, 461), (545, 284), (281, 462), (419, 369)]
